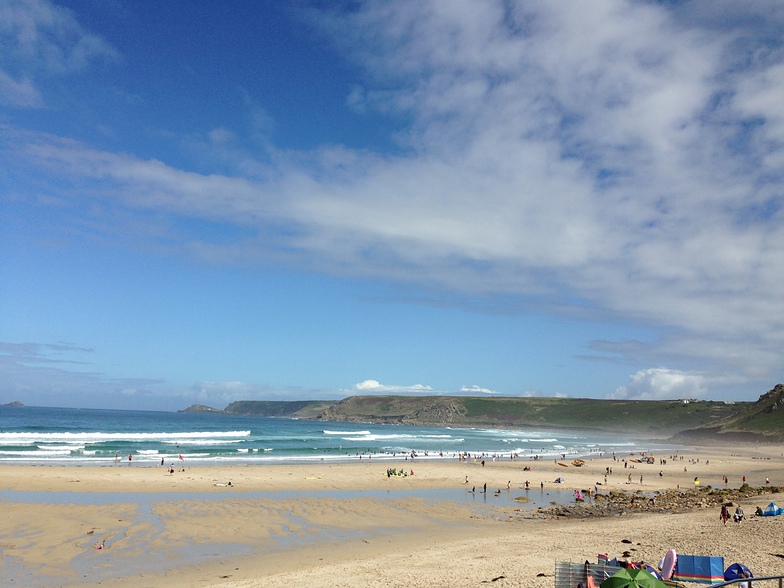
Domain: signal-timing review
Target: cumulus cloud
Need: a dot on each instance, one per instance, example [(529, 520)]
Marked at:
[(607, 159), (476, 390), (376, 387), (662, 384)]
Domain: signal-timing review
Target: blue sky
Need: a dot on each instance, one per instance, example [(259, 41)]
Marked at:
[(204, 202)]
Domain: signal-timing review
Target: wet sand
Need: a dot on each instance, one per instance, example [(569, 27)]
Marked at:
[(347, 524)]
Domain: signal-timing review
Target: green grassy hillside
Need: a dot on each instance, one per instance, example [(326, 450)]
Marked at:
[(761, 421), (662, 418), (692, 421), (304, 409)]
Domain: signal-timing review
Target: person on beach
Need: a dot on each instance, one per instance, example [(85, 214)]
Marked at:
[(744, 584), (739, 514), (130, 458), (725, 514)]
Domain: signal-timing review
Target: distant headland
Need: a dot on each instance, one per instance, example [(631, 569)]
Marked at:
[(685, 421)]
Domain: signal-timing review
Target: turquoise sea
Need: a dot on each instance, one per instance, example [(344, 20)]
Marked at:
[(38, 435)]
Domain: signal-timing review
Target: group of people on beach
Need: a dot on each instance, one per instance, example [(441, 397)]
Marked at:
[(401, 472), (737, 517)]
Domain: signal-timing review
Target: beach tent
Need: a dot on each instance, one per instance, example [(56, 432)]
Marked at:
[(626, 578), (772, 510), (736, 571), (701, 569)]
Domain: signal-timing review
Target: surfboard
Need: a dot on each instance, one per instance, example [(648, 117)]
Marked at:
[(562, 464)]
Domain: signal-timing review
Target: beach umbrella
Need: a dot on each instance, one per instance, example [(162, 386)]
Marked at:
[(625, 578)]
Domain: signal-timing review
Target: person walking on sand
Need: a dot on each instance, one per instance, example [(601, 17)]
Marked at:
[(725, 514)]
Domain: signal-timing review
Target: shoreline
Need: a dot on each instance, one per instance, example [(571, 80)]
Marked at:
[(363, 539)]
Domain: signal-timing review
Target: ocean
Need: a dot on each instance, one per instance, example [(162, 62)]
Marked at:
[(68, 436)]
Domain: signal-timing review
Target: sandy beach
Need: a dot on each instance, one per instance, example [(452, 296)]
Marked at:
[(349, 525)]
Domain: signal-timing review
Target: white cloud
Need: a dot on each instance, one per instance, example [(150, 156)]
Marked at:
[(376, 387), (476, 390), (18, 93), (41, 40), (594, 159), (662, 384)]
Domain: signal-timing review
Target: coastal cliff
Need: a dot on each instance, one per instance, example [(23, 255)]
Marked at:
[(760, 422), (684, 421)]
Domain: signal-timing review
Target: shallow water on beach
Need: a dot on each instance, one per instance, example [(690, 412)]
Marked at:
[(150, 511), (531, 498)]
